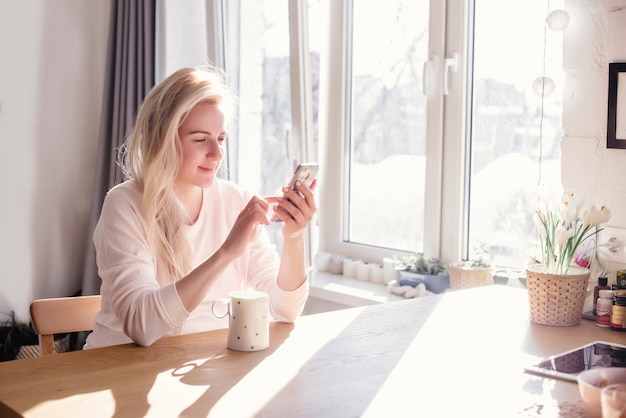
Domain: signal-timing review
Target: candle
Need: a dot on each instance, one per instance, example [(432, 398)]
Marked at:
[(349, 267), (389, 270), (377, 274), (362, 271)]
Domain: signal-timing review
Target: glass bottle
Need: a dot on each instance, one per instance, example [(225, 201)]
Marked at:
[(604, 306), (602, 284)]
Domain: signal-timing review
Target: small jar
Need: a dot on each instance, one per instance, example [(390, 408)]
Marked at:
[(604, 308), (602, 285), (618, 310)]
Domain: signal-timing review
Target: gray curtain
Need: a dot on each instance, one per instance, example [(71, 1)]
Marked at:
[(129, 76)]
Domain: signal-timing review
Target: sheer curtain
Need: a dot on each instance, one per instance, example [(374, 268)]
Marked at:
[(129, 76)]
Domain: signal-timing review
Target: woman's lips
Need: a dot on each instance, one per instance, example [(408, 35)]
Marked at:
[(207, 169)]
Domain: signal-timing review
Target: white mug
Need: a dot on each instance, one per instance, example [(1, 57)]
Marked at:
[(248, 322)]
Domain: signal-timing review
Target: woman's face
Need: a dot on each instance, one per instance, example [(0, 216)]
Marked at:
[(202, 135)]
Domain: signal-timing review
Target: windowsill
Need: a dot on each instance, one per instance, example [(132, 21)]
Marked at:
[(348, 291)]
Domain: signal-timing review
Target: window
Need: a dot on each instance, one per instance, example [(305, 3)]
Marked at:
[(387, 148), (449, 131), (431, 135), (277, 125), (386, 135), (515, 124)]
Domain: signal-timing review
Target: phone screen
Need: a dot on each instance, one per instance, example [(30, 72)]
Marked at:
[(305, 173)]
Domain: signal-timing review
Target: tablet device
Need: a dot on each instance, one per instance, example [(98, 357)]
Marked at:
[(569, 364)]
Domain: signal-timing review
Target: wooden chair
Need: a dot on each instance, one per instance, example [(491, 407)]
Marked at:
[(62, 315)]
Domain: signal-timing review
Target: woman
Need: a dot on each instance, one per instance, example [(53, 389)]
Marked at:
[(174, 237)]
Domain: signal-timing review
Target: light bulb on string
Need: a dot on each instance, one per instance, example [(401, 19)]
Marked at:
[(543, 86), (557, 20)]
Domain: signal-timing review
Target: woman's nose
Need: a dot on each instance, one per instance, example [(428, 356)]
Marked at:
[(214, 149)]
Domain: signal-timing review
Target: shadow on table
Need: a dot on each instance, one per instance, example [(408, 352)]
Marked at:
[(189, 358), (219, 383), (195, 365), (356, 363)]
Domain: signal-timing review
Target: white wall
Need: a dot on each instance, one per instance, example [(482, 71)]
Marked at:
[(595, 36), (52, 56)]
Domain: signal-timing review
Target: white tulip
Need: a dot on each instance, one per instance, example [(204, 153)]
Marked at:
[(596, 215), (563, 234)]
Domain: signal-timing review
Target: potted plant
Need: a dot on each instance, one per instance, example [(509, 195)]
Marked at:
[(14, 335), (557, 287), (477, 271), (415, 269)]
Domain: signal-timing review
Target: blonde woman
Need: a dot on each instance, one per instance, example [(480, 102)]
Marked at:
[(174, 237)]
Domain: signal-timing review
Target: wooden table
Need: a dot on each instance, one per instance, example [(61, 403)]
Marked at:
[(460, 354)]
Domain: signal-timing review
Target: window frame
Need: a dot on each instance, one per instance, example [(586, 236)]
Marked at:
[(224, 38), (446, 156), (454, 245), (447, 166), (218, 12), (301, 99)]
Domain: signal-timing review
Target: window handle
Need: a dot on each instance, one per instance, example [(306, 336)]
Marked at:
[(291, 148), (288, 144), (426, 72), (449, 64)]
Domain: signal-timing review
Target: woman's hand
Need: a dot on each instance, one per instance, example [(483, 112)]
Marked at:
[(254, 214), (295, 208)]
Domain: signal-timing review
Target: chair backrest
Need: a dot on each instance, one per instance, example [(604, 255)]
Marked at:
[(62, 315)]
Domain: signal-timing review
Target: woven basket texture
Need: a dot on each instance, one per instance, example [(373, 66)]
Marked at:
[(464, 277), (556, 299)]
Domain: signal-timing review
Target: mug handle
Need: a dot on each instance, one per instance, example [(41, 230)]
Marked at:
[(224, 301)]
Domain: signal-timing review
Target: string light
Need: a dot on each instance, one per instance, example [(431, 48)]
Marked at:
[(544, 86), (557, 20)]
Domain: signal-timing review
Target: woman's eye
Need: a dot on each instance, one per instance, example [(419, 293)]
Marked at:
[(221, 139)]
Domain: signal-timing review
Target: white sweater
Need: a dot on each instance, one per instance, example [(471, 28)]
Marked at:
[(139, 305)]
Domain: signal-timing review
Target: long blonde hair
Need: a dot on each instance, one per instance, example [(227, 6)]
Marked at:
[(152, 156)]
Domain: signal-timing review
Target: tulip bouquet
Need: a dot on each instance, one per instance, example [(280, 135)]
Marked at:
[(564, 228)]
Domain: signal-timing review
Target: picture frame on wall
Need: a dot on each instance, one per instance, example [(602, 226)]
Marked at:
[(616, 120)]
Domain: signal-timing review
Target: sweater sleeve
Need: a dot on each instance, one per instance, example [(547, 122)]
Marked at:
[(146, 308)]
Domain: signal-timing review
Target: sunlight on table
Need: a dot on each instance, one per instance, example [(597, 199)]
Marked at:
[(283, 365), (102, 401), (474, 354)]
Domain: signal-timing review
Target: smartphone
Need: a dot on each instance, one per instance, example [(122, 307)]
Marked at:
[(305, 173)]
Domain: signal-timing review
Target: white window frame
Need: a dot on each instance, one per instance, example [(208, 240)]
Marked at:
[(446, 170), (301, 98), (453, 244), (446, 157)]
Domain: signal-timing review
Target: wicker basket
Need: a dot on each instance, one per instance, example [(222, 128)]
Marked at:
[(556, 299), (462, 277)]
